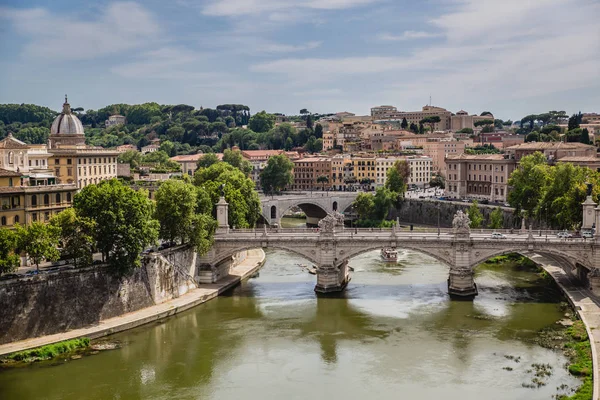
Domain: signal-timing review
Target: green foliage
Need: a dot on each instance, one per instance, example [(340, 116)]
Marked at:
[(397, 177), (431, 121), (483, 149), (496, 219), (484, 122), (240, 193), (50, 351), (580, 355), (438, 180), (124, 221), (384, 200), (466, 130), (76, 237), (277, 174), (39, 241), (364, 205), (404, 123), (176, 204), (9, 259), (235, 159), (475, 215), (131, 157), (528, 183), (207, 160), (262, 122)]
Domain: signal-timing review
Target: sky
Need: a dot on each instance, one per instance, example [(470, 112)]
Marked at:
[(510, 57)]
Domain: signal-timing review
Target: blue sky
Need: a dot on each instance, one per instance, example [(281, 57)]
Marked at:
[(511, 57)]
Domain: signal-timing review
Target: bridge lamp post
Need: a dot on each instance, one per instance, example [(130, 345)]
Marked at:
[(439, 208)]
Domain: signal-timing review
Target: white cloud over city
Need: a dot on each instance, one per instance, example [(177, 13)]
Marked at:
[(328, 55)]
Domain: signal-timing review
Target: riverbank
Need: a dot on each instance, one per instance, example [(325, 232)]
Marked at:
[(587, 306), (253, 261)]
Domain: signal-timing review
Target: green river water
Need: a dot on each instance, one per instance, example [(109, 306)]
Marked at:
[(393, 334)]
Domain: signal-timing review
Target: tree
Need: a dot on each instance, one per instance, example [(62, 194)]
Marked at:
[(486, 113), (484, 122), (574, 121), (9, 258), (240, 193), (39, 241), (364, 205), (124, 218), (262, 122), (466, 130), (475, 215), (404, 123), (176, 203), (496, 219), (384, 200), (438, 180), (235, 159), (323, 179), (277, 174), (168, 147), (431, 121), (131, 157), (318, 131), (309, 121), (76, 237), (207, 160), (585, 136), (397, 177), (528, 183), (414, 128)]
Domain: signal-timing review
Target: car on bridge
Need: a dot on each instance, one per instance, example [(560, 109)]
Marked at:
[(564, 235), (497, 235), (587, 234)]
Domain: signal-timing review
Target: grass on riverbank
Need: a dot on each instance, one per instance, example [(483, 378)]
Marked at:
[(50, 351), (580, 353)]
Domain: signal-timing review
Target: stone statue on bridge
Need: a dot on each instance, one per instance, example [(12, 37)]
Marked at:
[(328, 224), (461, 222)]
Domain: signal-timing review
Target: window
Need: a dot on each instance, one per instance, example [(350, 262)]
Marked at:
[(11, 157), (10, 182), (69, 197), (58, 199), (69, 161), (46, 216), (57, 171), (16, 219), (46, 199), (34, 200), (3, 221), (34, 217), (56, 161)]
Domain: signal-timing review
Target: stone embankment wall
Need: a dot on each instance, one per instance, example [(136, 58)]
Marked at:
[(420, 211), (47, 304)]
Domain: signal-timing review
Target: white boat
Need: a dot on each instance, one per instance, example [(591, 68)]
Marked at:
[(389, 255)]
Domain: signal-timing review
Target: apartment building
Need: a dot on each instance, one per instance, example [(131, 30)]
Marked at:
[(189, 162), (364, 170), (438, 149), (479, 176), (552, 150), (420, 169), (307, 172), (383, 112), (340, 170)]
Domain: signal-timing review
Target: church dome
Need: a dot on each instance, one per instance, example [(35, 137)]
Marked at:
[(66, 123)]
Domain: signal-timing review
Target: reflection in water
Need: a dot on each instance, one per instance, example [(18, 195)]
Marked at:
[(392, 333)]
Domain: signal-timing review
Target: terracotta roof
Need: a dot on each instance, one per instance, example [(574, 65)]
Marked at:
[(549, 146), (194, 157), (10, 142), (7, 173), (579, 159), (482, 157)]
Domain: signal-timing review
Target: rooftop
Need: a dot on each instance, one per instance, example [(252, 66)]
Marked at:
[(579, 159), (550, 146), (194, 157), (10, 142), (6, 173), (482, 157)]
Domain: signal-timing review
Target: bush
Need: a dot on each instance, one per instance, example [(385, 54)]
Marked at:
[(50, 351)]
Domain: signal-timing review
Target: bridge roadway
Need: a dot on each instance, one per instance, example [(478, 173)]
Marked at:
[(461, 251)]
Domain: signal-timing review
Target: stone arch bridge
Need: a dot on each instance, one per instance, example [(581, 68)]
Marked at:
[(462, 252), (316, 205)]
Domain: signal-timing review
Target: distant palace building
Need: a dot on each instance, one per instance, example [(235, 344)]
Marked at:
[(72, 160)]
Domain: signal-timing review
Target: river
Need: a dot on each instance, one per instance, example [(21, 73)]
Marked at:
[(393, 334)]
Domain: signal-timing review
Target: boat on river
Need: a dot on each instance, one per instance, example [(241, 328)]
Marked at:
[(389, 255)]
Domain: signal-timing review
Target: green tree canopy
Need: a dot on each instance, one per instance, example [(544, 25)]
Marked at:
[(262, 122), (496, 219), (528, 183), (235, 159), (364, 205), (475, 215), (9, 258), (76, 237), (277, 174), (40, 242), (240, 193), (397, 177), (207, 160), (124, 218)]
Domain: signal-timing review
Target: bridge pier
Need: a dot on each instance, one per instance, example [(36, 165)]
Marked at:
[(461, 284), (332, 278)]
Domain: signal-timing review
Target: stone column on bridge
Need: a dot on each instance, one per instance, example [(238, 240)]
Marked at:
[(461, 283), (332, 274), (589, 215), (222, 216)]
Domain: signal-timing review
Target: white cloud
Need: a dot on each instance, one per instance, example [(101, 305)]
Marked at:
[(236, 8), (492, 51), (62, 37), (407, 35)]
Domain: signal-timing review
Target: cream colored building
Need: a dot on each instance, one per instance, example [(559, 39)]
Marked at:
[(420, 169), (115, 120), (72, 161), (462, 120)]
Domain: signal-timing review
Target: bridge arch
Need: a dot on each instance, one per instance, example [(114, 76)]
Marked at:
[(365, 248), (225, 255), (564, 259)]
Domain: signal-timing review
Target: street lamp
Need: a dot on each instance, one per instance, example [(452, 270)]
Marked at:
[(439, 207)]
